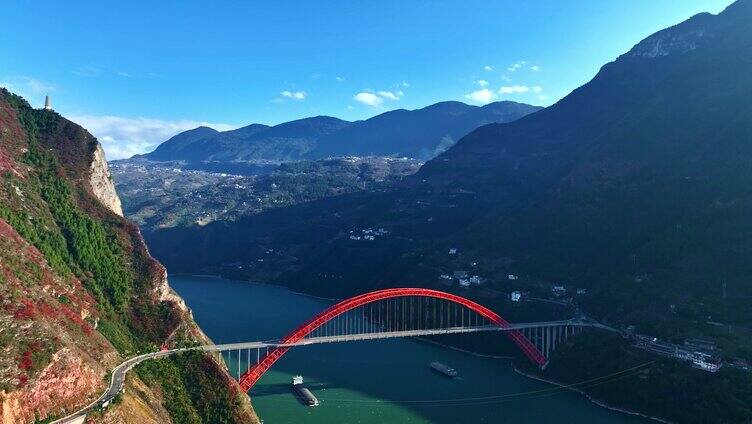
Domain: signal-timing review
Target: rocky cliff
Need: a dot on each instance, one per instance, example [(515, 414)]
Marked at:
[(79, 291), (101, 182)]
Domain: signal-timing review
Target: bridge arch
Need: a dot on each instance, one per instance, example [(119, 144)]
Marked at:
[(253, 374)]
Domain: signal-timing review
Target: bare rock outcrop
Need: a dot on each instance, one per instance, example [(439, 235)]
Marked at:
[(165, 293), (101, 182)]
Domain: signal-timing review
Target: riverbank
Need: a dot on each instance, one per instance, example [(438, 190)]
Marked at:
[(219, 277), (545, 380), (588, 396), (468, 352)]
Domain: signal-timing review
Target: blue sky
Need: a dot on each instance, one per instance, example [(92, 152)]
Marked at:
[(135, 73)]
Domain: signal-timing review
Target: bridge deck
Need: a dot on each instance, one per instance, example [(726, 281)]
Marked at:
[(394, 334)]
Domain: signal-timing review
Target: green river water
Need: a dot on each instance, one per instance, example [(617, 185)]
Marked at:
[(369, 382)]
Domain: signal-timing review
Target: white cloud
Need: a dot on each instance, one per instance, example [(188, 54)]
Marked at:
[(388, 95), (535, 68), (124, 74), (506, 78), (537, 89), (514, 89), (124, 137), (377, 99), (295, 95), (405, 84), (369, 99), (542, 97), (482, 83), (31, 89), (340, 79), (482, 96), (515, 66), (488, 68)]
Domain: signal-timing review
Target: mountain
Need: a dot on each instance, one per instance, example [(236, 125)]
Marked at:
[(636, 187), (180, 146), (81, 292), (648, 159), (280, 143), (421, 134), (253, 143)]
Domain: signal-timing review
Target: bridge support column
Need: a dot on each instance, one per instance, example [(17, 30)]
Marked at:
[(543, 340), (557, 338), (558, 334)]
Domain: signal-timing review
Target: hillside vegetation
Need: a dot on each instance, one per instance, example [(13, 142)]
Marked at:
[(79, 289)]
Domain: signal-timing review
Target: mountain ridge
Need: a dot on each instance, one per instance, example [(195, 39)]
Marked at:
[(322, 136)]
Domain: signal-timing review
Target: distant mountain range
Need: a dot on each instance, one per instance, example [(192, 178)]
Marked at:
[(421, 134)]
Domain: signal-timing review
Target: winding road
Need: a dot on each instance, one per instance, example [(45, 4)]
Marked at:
[(117, 382)]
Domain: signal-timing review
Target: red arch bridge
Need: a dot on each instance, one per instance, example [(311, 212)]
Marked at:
[(391, 313)]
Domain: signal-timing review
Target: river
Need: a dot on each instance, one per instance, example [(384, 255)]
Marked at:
[(369, 382)]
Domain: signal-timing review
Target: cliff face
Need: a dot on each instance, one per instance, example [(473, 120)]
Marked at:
[(101, 182), (79, 291)]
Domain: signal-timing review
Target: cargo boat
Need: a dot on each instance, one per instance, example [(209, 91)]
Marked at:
[(444, 369), (303, 393)]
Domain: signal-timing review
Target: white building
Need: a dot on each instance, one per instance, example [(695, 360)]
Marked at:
[(512, 277), (516, 296)]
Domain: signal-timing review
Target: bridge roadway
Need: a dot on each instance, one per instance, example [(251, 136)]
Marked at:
[(400, 333), (117, 381)]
